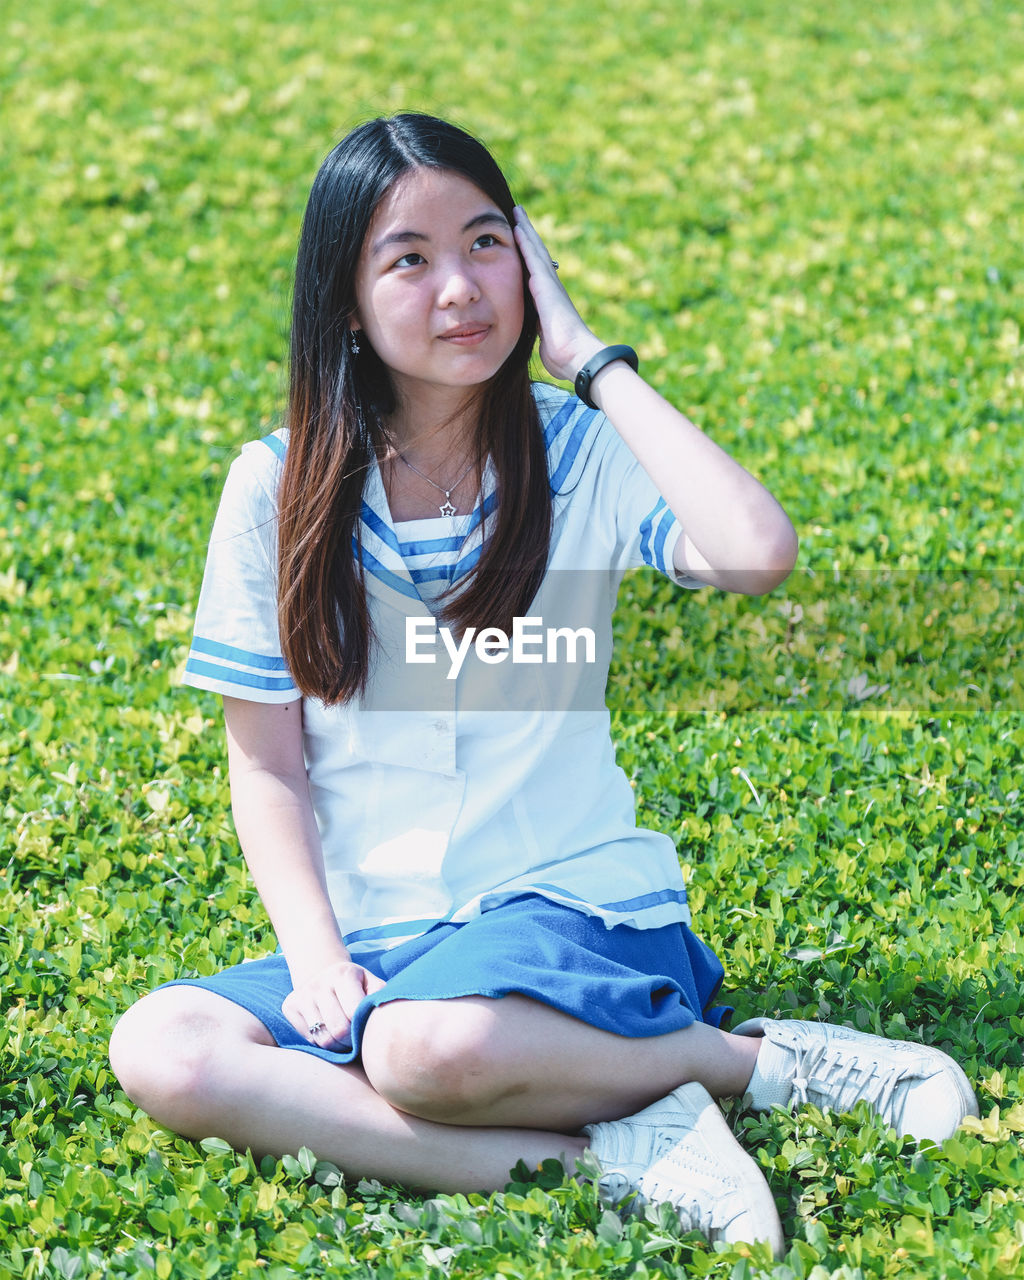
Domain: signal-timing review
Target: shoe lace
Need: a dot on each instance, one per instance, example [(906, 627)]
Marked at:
[(619, 1191), (829, 1075), (709, 1215), (694, 1216)]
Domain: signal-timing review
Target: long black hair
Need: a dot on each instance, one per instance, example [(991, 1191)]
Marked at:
[(337, 401)]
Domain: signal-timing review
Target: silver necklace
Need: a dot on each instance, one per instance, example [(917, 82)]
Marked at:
[(446, 508)]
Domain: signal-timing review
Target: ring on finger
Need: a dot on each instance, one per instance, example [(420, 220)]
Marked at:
[(316, 1028), (554, 264)]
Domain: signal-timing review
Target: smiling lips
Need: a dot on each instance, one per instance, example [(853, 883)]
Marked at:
[(466, 335)]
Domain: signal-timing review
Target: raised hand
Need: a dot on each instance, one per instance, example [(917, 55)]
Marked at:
[(566, 344)]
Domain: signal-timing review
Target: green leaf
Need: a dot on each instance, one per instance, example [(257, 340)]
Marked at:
[(216, 1146)]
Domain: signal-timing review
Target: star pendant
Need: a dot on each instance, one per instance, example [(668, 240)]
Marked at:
[(446, 508)]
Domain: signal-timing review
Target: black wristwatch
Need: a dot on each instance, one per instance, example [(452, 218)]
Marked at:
[(596, 363)]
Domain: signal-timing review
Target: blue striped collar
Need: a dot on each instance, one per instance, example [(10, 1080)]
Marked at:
[(386, 573), (566, 424)]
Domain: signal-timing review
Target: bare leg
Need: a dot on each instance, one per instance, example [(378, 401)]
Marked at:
[(514, 1061), (453, 1092), (203, 1066)]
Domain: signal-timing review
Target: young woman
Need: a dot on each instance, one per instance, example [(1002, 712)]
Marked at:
[(482, 958)]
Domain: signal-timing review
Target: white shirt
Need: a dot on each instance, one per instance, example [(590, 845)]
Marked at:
[(438, 797)]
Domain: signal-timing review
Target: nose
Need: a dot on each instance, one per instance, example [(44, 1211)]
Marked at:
[(458, 284)]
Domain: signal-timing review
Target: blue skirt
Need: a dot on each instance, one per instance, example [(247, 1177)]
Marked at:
[(633, 982)]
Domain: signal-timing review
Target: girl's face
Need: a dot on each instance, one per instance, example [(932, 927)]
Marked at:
[(439, 286)]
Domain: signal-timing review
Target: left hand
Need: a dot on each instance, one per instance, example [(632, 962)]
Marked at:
[(566, 344)]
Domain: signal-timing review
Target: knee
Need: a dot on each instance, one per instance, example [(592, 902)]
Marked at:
[(432, 1059), (162, 1051)]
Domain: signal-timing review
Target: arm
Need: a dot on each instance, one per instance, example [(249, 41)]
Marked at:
[(736, 535), (277, 830)]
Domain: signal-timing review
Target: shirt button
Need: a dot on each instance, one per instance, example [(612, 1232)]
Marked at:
[(441, 726)]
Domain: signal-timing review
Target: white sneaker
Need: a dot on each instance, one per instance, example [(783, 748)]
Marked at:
[(916, 1089), (680, 1151)]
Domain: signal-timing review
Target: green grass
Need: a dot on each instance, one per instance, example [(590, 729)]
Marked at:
[(808, 219)]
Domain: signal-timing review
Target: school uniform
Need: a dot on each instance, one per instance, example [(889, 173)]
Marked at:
[(478, 836)]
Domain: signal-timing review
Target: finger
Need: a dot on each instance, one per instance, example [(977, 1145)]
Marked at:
[(318, 1016), (305, 1017), (336, 1035), (336, 1003), (353, 989), (335, 1020), (531, 245), (539, 263), (372, 983), (328, 1029)]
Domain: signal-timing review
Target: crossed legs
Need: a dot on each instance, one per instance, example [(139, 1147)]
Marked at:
[(449, 1096)]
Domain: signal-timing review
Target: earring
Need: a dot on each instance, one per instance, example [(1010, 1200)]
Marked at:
[(353, 335)]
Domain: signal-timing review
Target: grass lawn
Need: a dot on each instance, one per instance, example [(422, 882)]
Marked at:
[(808, 219)]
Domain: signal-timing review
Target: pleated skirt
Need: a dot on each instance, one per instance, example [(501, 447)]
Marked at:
[(633, 982)]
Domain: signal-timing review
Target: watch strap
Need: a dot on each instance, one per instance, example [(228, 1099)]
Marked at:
[(596, 363)]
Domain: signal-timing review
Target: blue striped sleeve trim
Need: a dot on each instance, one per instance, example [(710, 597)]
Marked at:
[(246, 679), (646, 526), (572, 448), (214, 649), (382, 574), (654, 530), (667, 521), (276, 445)]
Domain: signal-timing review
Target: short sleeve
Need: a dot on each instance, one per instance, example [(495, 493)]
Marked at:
[(236, 648), (585, 449)]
